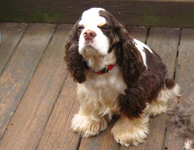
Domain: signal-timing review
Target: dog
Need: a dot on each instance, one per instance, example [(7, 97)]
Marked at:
[(181, 121), (116, 75)]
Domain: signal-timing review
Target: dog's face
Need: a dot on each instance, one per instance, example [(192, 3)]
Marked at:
[(92, 38), (98, 40)]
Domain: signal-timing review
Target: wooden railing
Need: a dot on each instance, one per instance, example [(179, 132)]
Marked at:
[(171, 13)]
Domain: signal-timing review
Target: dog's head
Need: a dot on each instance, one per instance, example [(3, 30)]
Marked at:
[(97, 40), (94, 34)]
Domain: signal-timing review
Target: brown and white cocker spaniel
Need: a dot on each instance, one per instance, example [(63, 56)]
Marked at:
[(116, 74)]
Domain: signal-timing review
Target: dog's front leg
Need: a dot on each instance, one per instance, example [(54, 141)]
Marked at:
[(87, 121), (131, 131), (132, 127)]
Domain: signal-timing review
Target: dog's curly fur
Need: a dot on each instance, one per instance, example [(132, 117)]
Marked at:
[(74, 60), (181, 121), (138, 85)]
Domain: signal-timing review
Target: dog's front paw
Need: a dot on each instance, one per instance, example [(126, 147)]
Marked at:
[(130, 132), (85, 126), (128, 137)]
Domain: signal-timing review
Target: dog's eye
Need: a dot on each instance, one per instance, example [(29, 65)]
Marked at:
[(104, 27), (80, 28)]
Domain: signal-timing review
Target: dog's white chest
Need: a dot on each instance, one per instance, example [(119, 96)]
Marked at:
[(103, 91), (108, 84)]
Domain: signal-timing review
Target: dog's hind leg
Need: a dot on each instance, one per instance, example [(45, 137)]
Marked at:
[(159, 105)]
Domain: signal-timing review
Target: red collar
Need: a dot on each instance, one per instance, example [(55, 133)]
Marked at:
[(104, 70)]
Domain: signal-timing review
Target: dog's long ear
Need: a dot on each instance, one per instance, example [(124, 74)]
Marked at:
[(74, 60), (128, 56)]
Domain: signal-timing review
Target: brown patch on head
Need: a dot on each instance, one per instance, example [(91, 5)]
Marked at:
[(110, 28)]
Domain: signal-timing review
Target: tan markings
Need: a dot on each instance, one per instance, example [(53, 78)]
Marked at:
[(86, 125), (131, 131), (160, 105), (101, 24)]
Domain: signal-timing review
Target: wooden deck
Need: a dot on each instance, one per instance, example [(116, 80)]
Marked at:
[(38, 97)]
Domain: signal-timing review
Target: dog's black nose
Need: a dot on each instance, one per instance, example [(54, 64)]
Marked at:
[(89, 35)]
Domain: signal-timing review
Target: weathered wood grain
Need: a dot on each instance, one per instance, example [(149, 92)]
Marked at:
[(185, 77), (11, 34), (165, 42), (105, 139), (169, 13), (35, 107), (17, 74), (58, 134), (185, 66)]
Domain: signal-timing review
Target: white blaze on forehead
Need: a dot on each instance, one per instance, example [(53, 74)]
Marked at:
[(91, 20), (141, 47), (91, 17)]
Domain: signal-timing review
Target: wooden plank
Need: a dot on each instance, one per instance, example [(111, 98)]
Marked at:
[(185, 77), (165, 42), (105, 139), (58, 134), (184, 73), (150, 12), (11, 34), (17, 74), (34, 110)]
